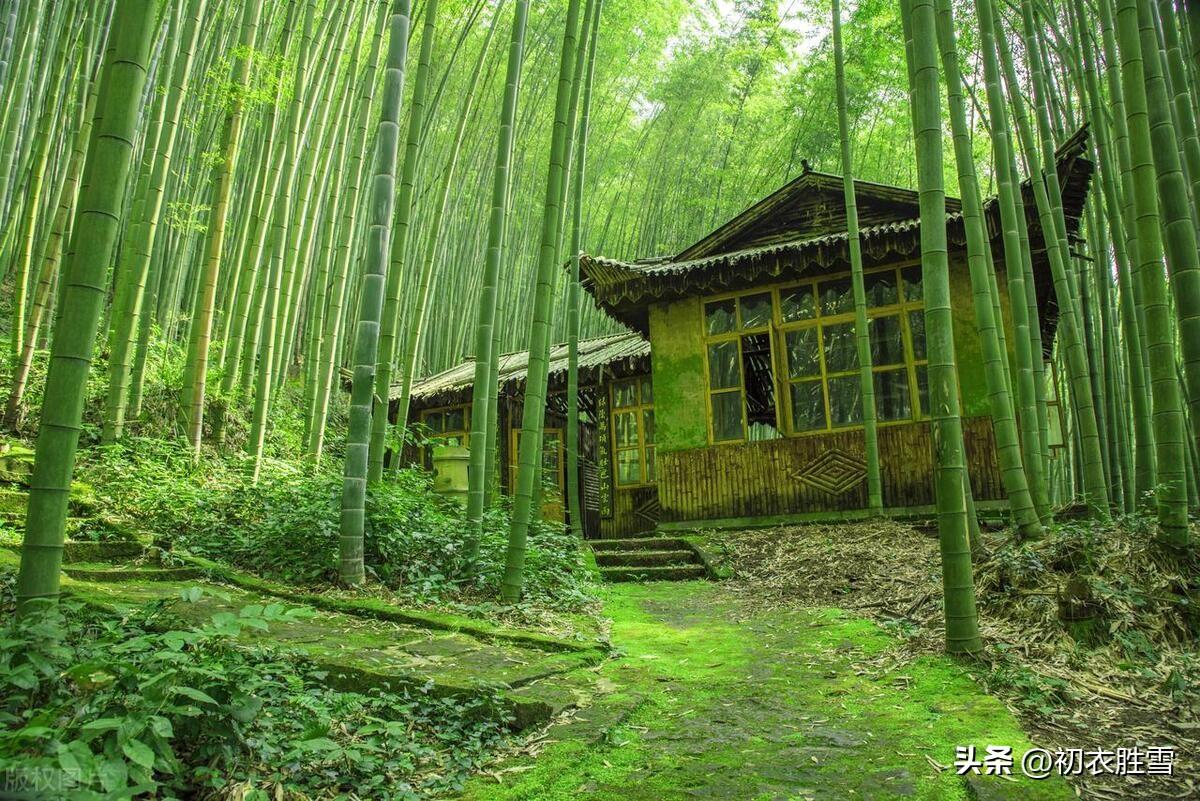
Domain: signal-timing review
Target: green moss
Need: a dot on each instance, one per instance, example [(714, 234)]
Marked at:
[(382, 610), (677, 356), (785, 704)]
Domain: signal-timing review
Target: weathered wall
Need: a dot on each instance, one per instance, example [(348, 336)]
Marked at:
[(968, 350), (677, 358), (815, 474), (702, 482)]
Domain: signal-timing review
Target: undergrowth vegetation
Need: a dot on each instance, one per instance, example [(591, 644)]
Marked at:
[(95, 706), (285, 526)]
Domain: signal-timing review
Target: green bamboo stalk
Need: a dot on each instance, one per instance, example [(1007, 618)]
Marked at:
[(979, 262), (334, 320), (281, 217), (399, 254), (534, 410), (383, 186), (417, 316), (1015, 253), (1178, 218), (1171, 492), (93, 236), (962, 633), (141, 237), (574, 504), (862, 334), (51, 258), (1045, 185), (196, 369)]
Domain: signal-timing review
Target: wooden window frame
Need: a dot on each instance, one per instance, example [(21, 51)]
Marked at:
[(514, 441), (465, 434), (1054, 406), (736, 336), (639, 408), (778, 331)]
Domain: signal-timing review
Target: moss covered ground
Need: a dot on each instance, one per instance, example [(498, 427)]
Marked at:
[(726, 703)]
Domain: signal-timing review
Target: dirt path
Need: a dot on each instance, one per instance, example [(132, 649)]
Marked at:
[(713, 701)]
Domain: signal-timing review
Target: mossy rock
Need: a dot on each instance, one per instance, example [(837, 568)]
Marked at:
[(79, 552), (14, 502), (109, 573), (83, 498), (16, 463)]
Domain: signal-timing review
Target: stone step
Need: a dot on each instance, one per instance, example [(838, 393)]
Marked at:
[(640, 544), (113, 551), (646, 558), (109, 573), (687, 573)]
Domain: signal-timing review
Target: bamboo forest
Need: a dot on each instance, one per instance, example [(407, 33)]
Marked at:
[(600, 400)]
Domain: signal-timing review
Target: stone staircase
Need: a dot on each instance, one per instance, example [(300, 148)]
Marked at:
[(648, 558)]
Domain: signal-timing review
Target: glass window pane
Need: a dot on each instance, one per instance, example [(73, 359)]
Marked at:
[(1048, 375), (651, 466), (836, 296), (727, 416), (797, 304), (718, 316), (881, 288), (808, 406), (916, 325), (887, 343), (648, 426), (756, 310), (624, 394), (436, 422), (923, 388), (550, 457), (454, 420), (911, 278), (804, 357), (845, 400), (647, 391), (629, 467), (841, 352), (625, 429), (892, 399), (724, 370), (1054, 434)]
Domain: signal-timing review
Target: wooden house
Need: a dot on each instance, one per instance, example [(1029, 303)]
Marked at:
[(735, 401), (609, 367)]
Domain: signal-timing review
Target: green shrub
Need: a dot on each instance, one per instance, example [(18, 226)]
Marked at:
[(98, 707), (285, 527)]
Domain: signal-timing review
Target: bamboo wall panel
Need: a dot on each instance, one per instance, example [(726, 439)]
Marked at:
[(635, 511), (814, 474)]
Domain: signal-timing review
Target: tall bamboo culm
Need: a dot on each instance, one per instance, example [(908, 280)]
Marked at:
[(366, 339), (962, 629), (94, 233)]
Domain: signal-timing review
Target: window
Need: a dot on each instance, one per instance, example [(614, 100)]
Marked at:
[(633, 432), (448, 426), (1054, 412), (804, 334), (553, 474), (741, 373)]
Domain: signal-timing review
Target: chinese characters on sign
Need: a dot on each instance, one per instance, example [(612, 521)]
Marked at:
[(1038, 763)]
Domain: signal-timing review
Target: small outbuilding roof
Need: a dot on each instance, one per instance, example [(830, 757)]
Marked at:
[(620, 352)]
